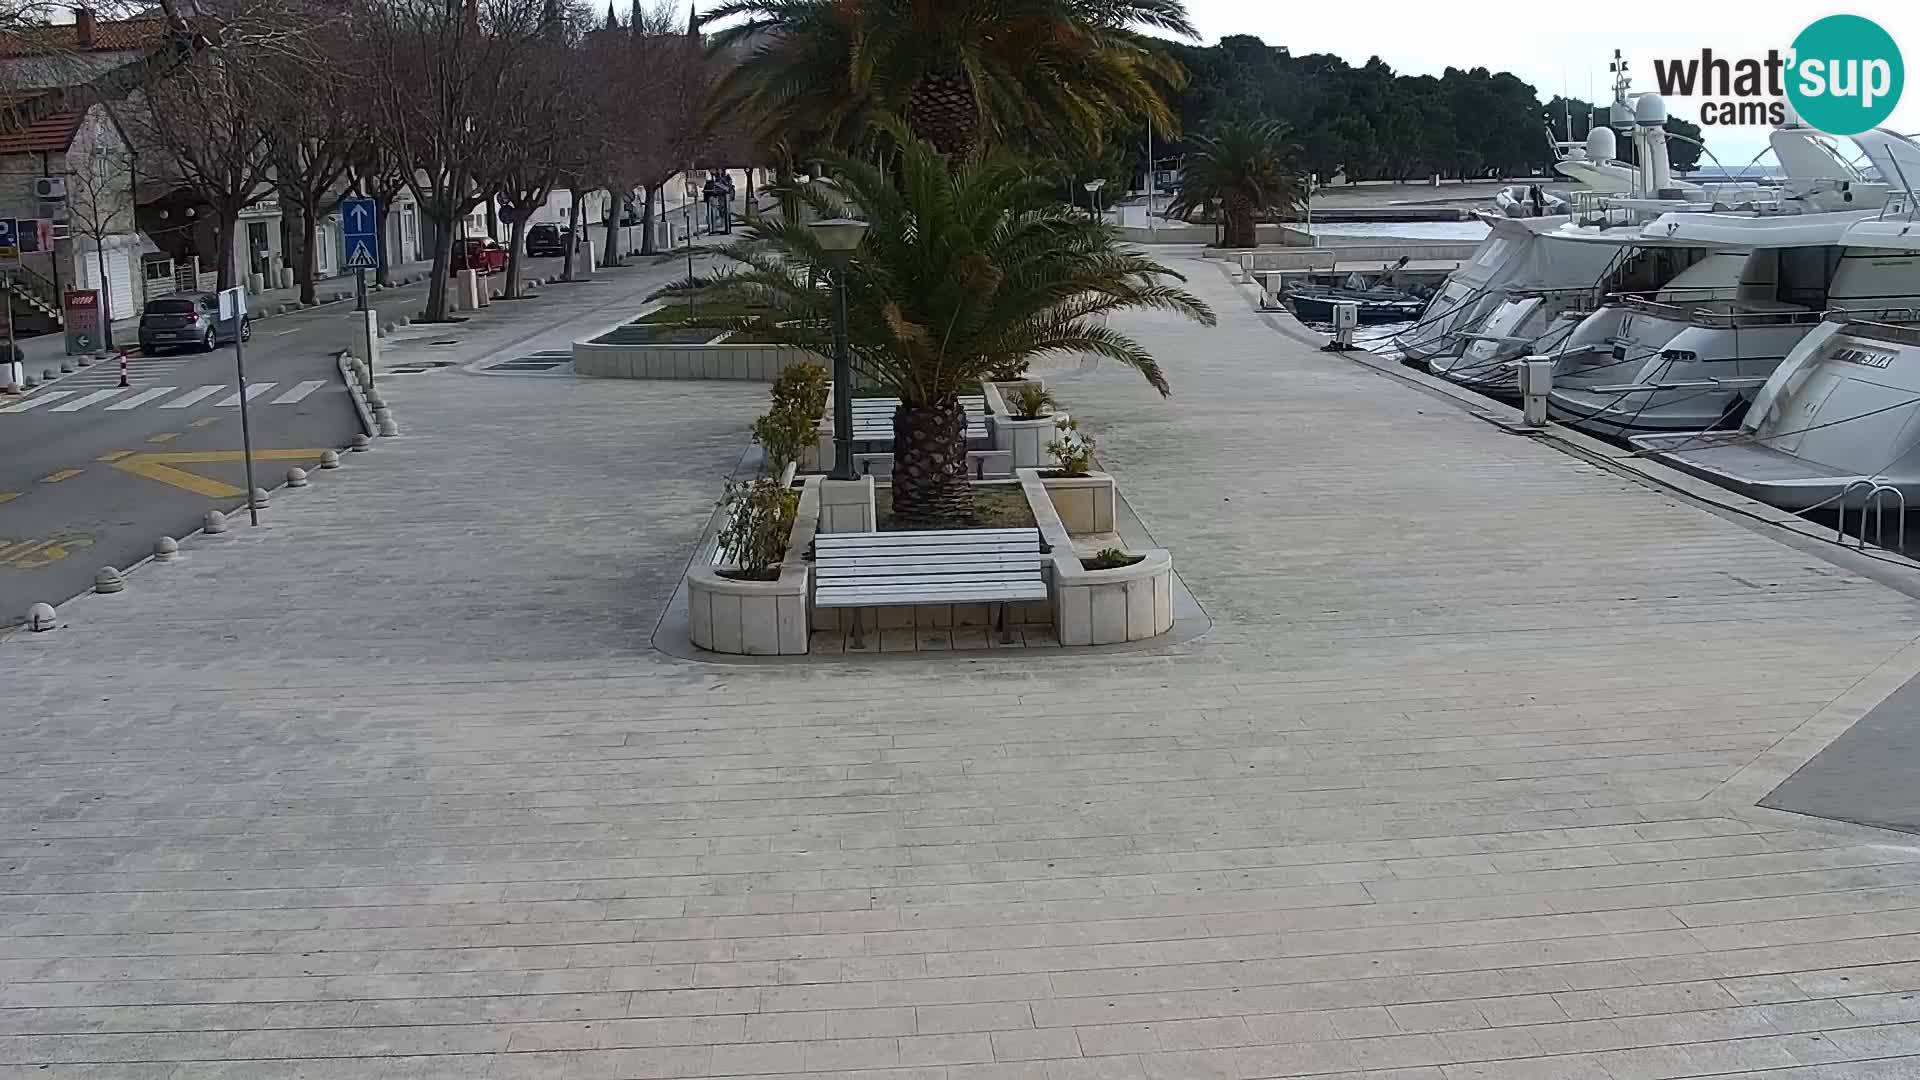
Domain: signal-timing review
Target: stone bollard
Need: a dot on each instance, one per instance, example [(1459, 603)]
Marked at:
[(376, 401), (330, 459), (165, 548), (259, 498), (388, 428), (84, 360), (29, 383), (108, 580), (360, 443), (296, 478), (216, 522), (66, 367), (47, 375), (40, 618)]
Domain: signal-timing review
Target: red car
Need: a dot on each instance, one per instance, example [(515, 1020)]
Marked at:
[(475, 254)]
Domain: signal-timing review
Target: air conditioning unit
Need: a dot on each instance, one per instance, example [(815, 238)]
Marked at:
[(50, 188)]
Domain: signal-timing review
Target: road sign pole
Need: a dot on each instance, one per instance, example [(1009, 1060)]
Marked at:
[(246, 431), (360, 288)]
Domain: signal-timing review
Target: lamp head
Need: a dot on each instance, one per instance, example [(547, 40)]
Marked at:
[(839, 236)]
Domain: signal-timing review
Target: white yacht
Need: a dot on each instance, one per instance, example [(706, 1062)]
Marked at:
[(1534, 276), (1837, 423), (1693, 361)]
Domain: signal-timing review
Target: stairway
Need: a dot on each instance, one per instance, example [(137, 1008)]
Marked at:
[(36, 290)]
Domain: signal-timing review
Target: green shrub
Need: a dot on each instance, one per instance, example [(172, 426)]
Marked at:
[(783, 434), (1030, 401), (801, 388), (757, 518), (1072, 449), (1111, 558)]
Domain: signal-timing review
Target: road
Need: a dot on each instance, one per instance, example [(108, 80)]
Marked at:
[(91, 475)]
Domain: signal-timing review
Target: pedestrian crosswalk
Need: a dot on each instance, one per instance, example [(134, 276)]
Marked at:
[(119, 399)]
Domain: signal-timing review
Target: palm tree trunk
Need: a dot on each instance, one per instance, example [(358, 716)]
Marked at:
[(1241, 231), (941, 109), (930, 485)]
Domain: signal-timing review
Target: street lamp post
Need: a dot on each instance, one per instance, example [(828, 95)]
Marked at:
[(1093, 195), (839, 237), (693, 192)]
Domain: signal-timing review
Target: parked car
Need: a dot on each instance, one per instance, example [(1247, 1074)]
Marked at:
[(186, 322), (548, 240), (477, 254)]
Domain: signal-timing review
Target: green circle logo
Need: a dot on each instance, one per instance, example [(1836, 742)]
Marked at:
[(1846, 75)]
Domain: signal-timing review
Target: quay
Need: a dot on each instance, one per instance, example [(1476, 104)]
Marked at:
[(1463, 781)]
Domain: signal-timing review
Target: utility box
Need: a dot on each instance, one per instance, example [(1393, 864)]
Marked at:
[(1536, 382), (1346, 317)]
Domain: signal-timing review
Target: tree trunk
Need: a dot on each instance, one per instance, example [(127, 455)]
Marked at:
[(380, 275), (750, 206), (300, 237), (930, 485), (442, 258), (226, 275), (647, 246), (941, 109), (1240, 229), (576, 234), (616, 212), (493, 220), (516, 252)]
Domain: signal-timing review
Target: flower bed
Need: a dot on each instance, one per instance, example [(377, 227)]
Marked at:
[(757, 618), (1099, 607)]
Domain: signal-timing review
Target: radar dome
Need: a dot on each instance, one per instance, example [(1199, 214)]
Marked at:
[(1620, 115), (1600, 144), (1650, 110)]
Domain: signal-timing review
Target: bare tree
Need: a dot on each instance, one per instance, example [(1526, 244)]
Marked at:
[(199, 130), (100, 202), (544, 119), (663, 63), (441, 79), (310, 138)]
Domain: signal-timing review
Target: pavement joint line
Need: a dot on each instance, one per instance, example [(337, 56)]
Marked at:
[(63, 474)]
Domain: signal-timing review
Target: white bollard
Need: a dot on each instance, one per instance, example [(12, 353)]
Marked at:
[(165, 549), (360, 443), (108, 580), (369, 329), (259, 498), (40, 618), (216, 522), (296, 478), (330, 459)]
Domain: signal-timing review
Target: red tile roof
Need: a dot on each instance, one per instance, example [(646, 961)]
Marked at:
[(52, 134), (108, 36)]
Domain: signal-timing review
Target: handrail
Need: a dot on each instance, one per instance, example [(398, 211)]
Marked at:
[(35, 283), (1880, 331), (1720, 319)]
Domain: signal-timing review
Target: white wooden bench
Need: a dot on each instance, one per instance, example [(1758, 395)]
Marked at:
[(873, 418), (896, 569)]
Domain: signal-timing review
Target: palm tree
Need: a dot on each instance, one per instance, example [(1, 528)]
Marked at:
[(962, 276), (1251, 168), (1049, 73)]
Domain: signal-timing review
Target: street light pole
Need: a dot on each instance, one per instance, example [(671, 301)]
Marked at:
[(838, 238)]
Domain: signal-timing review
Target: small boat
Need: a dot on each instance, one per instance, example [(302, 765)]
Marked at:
[(1380, 304)]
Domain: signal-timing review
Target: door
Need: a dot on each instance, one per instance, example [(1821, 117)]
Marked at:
[(258, 251)]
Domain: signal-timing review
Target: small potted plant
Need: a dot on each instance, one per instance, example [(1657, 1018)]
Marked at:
[(1030, 401), (1110, 558), (1084, 499), (757, 519)]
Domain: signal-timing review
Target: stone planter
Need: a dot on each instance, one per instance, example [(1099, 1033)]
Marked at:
[(1026, 439), (1099, 607), (1084, 503), (758, 618), (754, 363)]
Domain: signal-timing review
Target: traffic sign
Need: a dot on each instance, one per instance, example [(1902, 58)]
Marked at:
[(9, 241), (360, 220)]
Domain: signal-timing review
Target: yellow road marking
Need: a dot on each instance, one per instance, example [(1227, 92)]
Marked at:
[(204, 421), (165, 436), (165, 468), (115, 456), (34, 554), (8, 496), (63, 474)]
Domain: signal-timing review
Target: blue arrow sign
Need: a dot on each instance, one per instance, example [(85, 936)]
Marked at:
[(360, 232)]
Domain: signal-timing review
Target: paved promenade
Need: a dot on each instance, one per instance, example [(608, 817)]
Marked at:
[(1461, 784)]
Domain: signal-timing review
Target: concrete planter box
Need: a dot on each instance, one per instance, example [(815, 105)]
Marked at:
[(750, 363), (1100, 607), (1026, 440), (758, 618), (1084, 503)]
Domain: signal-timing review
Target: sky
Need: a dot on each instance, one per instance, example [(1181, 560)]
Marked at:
[(1560, 48)]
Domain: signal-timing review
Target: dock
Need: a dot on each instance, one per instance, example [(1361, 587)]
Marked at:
[(1464, 780)]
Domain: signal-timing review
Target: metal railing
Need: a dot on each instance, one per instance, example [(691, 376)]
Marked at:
[(1725, 320), (1877, 501)]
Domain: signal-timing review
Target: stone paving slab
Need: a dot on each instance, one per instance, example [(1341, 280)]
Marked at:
[(1443, 794)]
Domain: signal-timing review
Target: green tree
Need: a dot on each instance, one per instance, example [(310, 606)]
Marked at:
[(1046, 75), (963, 276), (1249, 166)]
